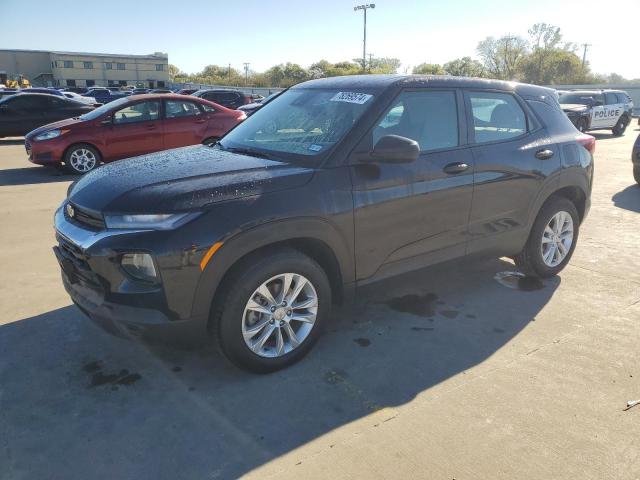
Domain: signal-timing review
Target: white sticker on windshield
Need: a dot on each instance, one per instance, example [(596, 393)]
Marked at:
[(315, 148), (351, 97)]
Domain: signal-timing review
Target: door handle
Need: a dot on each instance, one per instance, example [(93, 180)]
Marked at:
[(544, 154), (456, 167), (151, 127), (200, 121)]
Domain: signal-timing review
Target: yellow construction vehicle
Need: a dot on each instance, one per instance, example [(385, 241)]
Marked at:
[(19, 82)]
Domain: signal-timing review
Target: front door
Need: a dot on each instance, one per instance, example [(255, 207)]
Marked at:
[(184, 124), (409, 215), (135, 129)]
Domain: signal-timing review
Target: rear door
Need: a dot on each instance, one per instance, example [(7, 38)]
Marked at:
[(135, 129), (613, 108), (185, 123), (412, 214), (30, 112), (508, 173)]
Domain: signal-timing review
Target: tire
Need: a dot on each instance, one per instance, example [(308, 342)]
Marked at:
[(81, 158), (232, 318), (636, 173), (530, 260), (620, 127), (210, 141), (583, 125)]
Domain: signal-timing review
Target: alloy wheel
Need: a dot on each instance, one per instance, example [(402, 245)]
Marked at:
[(557, 239), (82, 160), (280, 315)]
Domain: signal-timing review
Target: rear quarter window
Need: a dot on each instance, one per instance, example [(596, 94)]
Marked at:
[(496, 116), (551, 116)]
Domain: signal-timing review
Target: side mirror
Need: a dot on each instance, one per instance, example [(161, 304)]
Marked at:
[(395, 149)]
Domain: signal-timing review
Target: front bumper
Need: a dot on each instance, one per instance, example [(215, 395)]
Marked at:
[(46, 152), (92, 277)]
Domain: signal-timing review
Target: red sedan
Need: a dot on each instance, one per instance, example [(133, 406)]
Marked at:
[(128, 127)]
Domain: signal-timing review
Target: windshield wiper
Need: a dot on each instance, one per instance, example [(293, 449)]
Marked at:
[(250, 152)]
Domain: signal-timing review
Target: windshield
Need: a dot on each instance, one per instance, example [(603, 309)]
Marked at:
[(305, 122), (577, 98), (93, 114)]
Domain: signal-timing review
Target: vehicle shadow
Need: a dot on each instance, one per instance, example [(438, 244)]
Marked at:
[(77, 403), (34, 175), (629, 198), (603, 136)]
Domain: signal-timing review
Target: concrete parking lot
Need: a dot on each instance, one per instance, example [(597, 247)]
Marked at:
[(444, 373)]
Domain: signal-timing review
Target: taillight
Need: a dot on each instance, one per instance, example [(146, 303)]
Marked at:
[(588, 142)]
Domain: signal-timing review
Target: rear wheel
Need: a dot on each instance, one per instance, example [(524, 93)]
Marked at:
[(81, 158), (271, 310), (552, 239), (620, 126)]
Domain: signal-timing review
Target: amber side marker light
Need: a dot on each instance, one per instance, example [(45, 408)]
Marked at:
[(207, 256)]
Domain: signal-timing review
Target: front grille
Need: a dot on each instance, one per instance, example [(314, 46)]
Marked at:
[(85, 218), (77, 256)]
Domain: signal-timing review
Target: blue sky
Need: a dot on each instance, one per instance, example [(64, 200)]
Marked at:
[(268, 32)]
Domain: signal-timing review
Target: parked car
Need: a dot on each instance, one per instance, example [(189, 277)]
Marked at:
[(251, 108), (22, 112), (635, 158), (598, 109), (139, 91), (128, 127), (103, 95), (78, 90), (229, 98), (187, 91), (80, 98), (161, 90), (7, 92), (253, 239), (48, 91)]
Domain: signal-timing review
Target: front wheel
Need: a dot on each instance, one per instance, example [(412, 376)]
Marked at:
[(271, 310), (81, 159), (552, 239)]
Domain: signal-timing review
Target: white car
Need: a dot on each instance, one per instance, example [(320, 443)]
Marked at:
[(80, 98)]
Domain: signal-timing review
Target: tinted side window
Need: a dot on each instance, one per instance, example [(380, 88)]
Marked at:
[(30, 103), (138, 112), (610, 98), (622, 98), (177, 109), (496, 116), (430, 118)]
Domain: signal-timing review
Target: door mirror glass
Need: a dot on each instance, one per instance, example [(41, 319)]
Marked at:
[(395, 149)]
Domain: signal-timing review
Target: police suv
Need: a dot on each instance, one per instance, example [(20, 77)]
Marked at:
[(597, 109)]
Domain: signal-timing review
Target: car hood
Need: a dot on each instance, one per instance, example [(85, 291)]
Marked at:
[(573, 107), (182, 179), (50, 126)]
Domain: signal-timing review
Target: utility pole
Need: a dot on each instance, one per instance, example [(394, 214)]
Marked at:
[(229, 74), (364, 9), (370, 57), (584, 54), (246, 73)]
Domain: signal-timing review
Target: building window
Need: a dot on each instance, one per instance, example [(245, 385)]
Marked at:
[(109, 66), (120, 66), (160, 84), (88, 65), (122, 83), (71, 83), (91, 83), (159, 67), (68, 64)]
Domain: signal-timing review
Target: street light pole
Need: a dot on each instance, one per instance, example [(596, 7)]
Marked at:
[(364, 9)]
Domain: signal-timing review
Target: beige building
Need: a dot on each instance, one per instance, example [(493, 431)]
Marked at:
[(75, 69)]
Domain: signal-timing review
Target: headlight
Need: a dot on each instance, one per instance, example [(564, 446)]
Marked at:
[(160, 221), (49, 135), (139, 266)]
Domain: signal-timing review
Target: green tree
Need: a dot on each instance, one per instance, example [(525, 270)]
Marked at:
[(501, 57), (384, 65), (428, 69), (465, 67)]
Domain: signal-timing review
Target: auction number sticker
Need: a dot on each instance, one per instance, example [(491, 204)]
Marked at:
[(351, 97)]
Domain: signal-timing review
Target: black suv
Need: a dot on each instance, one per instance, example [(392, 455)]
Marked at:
[(598, 109), (227, 98), (334, 184)]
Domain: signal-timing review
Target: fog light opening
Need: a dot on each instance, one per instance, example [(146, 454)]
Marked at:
[(139, 266)]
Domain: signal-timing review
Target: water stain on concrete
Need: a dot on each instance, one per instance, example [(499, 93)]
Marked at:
[(422, 329), (519, 281), (363, 342), (335, 376), (177, 369), (100, 378), (470, 315), (422, 305), (449, 313)]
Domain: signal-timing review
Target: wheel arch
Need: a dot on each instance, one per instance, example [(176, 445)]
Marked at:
[(316, 238), (92, 145)]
